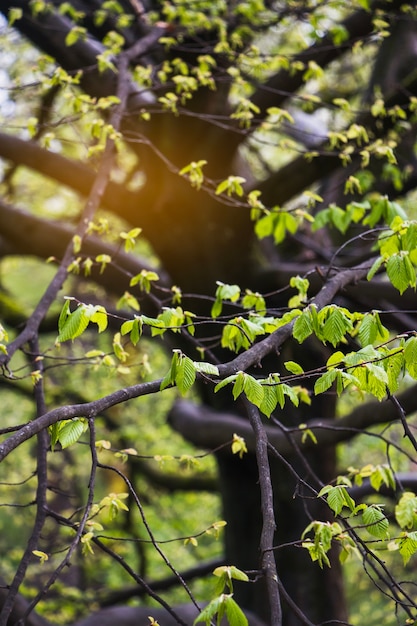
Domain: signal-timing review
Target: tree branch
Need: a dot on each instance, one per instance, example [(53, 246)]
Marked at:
[(268, 515), (77, 176), (272, 343), (31, 235), (48, 31), (210, 429)]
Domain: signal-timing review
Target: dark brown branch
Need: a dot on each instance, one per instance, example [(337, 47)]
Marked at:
[(88, 409), (268, 516), (31, 235), (73, 174)]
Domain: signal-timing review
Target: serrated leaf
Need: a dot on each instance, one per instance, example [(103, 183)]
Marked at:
[(382, 475), (64, 314), (239, 385), (410, 355), (375, 267), (74, 325), (397, 271), (206, 368), (338, 498), (406, 510), (325, 381), (335, 327), (225, 382), (234, 613), (376, 523), (302, 326), (185, 375), (253, 390), (269, 400), (209, 611), (408, 546), (71, 431)]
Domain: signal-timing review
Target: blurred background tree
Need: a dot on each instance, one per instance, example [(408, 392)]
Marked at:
[(224, 149)]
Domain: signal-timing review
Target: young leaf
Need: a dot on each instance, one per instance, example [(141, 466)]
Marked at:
[(408, 546), (253, 390), (74, 325), (406, 510), (234, 613), (303, 326), (410, 355), (185, 374), (293, 367), (70, 431), (325, 381), (376, 522), (206, 368)]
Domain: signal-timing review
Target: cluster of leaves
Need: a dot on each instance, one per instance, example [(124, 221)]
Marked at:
[(223, 604), (399, 534)]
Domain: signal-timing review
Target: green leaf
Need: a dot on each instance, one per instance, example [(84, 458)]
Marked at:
[(335, 326), (406, 510), (209, 611), (185, 374), (382, 475), (74, 325), (239, 385), (226, 381), (408, 546), (253, 390), (234, 613), (65, 312), (376, 523), (169, 378), (206, 368), (303, 327), (400, 272), (410, 355), (325, 381), (14, 15), (269, 400), (293, 367), (71, 430), (375, 267), (99, 317), (76, 33), (337, 498)]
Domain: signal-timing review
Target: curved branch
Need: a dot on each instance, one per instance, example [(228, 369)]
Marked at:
[(31, 235), (210, 429), (87, 409), (77, 176)]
